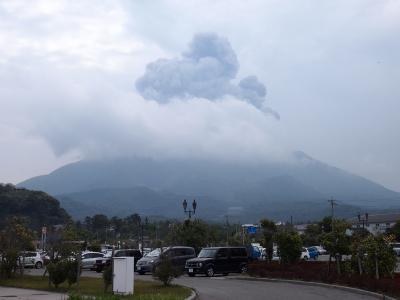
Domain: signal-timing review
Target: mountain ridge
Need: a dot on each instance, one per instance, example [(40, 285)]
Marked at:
[(265, 185)]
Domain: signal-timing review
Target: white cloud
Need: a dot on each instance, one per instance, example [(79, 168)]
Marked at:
[(331, 69)]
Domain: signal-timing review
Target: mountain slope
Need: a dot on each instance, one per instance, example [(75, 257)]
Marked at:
[(37, 208), (151, 186)]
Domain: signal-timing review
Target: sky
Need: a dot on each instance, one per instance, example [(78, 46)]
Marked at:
[(231, 80)]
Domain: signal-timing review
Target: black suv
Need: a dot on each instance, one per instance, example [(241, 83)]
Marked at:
[(177, 254), (214, 260), (106, 261)]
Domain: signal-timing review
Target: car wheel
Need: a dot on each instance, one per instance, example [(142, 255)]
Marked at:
[(39, 265), (210, 271), (141, 273), (225, 274), (99, 270), (191, 274), (243, 268)]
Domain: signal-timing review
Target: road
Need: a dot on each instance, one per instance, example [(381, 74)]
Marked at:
[(221, 288), (7, 293)]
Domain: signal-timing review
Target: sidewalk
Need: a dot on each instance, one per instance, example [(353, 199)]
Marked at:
[(7, 293)]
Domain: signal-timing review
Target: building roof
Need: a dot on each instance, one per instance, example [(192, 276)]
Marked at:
[(377, 218)]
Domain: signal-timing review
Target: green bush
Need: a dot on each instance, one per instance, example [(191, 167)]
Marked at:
[(107, 277), (71, 267), (8, 263), (57, 272), (290, 244), (165, 271)]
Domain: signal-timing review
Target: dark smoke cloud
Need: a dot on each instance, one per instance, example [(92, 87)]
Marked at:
[(205, 70)]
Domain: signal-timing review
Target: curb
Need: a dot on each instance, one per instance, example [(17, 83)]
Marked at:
[(312, 283), (193, 296)]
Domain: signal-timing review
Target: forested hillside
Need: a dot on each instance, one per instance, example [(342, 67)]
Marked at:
[(37, 208)]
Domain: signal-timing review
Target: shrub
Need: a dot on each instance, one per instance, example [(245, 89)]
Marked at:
[(57, 272), (8, 263), (107, 277), (72, 271), (165, 271), (290, 245)]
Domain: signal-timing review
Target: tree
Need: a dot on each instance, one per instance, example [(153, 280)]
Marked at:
[(289, 245), (312, 235), (379, 258), (196, 234), (326, 224), (16, 238), (395, 230), (269, 230), (337, 242), (35, 207)]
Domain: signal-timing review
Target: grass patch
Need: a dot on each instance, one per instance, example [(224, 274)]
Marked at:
[(144, 290)]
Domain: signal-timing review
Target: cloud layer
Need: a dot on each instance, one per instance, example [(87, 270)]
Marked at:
[(206, 70)]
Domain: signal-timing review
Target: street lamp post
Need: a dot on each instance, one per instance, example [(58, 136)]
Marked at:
[(189, 212)]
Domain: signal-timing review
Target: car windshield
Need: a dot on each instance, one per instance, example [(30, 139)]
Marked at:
[(207, 253), (154, 253)]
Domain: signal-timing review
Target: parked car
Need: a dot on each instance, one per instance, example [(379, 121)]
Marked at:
[(396, 248), (304, 254), (254, 252), (89, 259), (107, 258), (313, 253), (45, 257), (321, 250), (32, 259), (177, 254), (215, 260)]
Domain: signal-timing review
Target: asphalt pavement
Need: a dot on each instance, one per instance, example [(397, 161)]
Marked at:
[(229, 287), (7, 293), (221, 288)]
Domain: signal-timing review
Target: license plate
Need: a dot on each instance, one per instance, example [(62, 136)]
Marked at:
[(190, 270), (138, 267)]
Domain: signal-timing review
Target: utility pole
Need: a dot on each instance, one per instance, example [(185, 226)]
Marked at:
[(333, 204)]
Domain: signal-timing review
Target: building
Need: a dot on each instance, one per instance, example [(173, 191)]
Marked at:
[(301, 228), (378, 223)]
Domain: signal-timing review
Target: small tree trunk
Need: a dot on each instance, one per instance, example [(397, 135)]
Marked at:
[(329, 263), (338, 264), (376, 265), (359, 264), (78, 271)]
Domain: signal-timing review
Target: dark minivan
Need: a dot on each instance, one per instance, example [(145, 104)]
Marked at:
[(177, 254), (223, 260)]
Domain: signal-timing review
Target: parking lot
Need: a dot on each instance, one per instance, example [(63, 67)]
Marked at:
[(230, 287)]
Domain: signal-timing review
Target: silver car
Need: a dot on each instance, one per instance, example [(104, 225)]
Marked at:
[(32, 259), (89, 259)]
